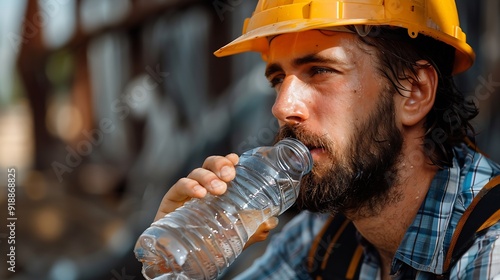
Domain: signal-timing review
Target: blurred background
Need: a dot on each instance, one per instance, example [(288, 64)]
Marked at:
[(104, 104)]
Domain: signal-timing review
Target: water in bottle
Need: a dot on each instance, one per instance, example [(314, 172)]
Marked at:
[(202, 238)]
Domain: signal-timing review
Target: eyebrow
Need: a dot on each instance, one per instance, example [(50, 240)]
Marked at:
[(272, 68), (310, 58)]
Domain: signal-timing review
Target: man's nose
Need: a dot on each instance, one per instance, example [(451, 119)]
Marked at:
[(290, 106)]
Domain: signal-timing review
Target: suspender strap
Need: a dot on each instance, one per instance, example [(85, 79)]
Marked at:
[(335, 253), (476, 219)]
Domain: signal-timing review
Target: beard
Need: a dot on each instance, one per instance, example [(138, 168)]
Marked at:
[(359, 180)]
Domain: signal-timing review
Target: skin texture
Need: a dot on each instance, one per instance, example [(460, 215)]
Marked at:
[(329, 94), (359, 176)]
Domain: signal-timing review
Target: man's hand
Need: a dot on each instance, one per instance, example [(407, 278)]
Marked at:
[(212, 178)]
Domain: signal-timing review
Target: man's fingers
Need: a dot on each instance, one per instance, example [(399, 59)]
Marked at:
[(212, 177), (234, 158), (208, 180), (222, 167), (183, 190), (271, 223)]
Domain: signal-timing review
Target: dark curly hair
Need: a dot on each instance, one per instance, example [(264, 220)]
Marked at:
[(448, 123)]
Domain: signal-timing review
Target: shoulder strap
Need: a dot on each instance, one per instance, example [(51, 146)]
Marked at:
[(337, 240), (476, 219), (335, 253)]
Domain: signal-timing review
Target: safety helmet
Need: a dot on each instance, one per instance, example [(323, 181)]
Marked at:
[(435, 18)]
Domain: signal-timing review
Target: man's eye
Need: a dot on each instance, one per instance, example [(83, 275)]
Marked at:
[(276, 80), (322, 70)]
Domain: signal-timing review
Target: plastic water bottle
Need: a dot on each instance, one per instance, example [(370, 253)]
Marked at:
[(202, 238)]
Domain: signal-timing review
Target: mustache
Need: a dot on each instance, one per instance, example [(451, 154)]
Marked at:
[(311, 140)]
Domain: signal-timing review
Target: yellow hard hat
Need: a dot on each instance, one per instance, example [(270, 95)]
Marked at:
[(435, 18)]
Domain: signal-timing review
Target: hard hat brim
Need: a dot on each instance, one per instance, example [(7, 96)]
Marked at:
[(256, 40)]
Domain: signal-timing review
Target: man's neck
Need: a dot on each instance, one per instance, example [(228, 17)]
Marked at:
[(386, 230)]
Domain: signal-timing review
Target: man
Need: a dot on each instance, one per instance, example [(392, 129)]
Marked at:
[(367, 86)]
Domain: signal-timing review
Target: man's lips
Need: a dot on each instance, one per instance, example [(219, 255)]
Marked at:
[(317, 152)]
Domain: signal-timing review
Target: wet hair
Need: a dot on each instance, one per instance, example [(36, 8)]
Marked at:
[(448, 122)]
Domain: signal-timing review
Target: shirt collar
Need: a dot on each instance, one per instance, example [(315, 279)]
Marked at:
[(426, 241), (423, 246)]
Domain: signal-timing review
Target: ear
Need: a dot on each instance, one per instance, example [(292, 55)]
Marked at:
[(419, 98)]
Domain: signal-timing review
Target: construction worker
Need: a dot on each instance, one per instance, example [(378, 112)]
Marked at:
[(368, 86)]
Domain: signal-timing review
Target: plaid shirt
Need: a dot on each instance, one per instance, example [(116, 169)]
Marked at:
[(422, 252)]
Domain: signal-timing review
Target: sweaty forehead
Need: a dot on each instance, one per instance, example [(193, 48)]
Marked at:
[(341, 45)]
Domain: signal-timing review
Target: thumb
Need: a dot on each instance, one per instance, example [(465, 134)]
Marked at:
[(262, 232)]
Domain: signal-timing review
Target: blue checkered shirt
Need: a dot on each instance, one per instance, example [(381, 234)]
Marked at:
[(422, 252)]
